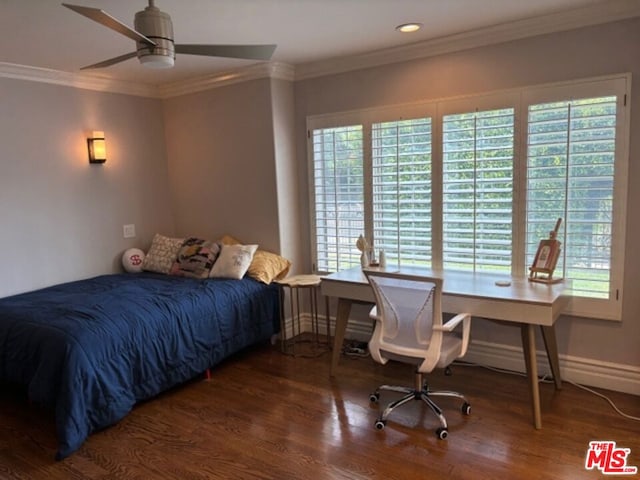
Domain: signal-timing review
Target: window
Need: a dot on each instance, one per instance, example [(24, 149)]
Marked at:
[(477, 198), (475, 183), (371, 176), (339, 196), (401, 183), (571, 153), (576, 170)]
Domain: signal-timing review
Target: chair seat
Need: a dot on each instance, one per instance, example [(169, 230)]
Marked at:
[(449, 351)]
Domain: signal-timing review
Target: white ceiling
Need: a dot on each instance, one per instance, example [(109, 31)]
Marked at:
[(42, 33)]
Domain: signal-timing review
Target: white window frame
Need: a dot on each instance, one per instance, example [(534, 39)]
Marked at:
[(609, 309), (519, 99)]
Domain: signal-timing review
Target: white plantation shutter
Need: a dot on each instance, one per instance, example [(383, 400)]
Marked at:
[(401, 181), (477, 182), (474, 183), (570, 175), (338, 196)]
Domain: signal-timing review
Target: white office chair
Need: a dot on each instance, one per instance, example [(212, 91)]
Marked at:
[(409, 329)]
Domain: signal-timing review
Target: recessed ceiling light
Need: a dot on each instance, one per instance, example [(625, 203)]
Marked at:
[(409, 27)]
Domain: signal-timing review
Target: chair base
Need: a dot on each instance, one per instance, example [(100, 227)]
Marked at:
[(422, 392)]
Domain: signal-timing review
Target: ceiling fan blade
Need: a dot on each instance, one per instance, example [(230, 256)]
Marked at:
[(111, 61), (108, 21), (249, 52)]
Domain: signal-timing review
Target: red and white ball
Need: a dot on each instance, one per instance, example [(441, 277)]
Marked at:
[(132, 260)]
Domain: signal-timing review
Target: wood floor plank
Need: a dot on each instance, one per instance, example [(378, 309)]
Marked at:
[(265, 415)]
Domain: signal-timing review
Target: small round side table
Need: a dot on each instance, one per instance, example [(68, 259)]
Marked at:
[(295, 285)]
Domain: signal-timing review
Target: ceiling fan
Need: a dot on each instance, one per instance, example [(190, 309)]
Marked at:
[(153, 34)]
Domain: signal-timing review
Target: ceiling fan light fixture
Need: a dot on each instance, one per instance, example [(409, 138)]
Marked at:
[(409, 27), (157, 61)]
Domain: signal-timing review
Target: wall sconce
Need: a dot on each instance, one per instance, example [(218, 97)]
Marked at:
[(97, 147)]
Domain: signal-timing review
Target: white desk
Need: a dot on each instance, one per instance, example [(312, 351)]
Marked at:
[(524, 303)]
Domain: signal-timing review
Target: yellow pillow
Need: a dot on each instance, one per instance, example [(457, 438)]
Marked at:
[(265, 266), (229, 240)]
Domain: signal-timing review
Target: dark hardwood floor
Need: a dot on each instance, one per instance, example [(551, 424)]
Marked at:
[(264, 415)]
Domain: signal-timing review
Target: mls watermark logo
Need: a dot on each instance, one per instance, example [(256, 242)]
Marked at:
[(609, 459)]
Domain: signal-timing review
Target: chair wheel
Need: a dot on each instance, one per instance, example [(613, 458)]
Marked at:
[(374, 397), (466, 408), (442, 433), (380, 424)]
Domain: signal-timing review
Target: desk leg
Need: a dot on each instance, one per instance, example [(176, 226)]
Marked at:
[(283, 325), (342, 317), (529, 347), (327, 317), (549, 337)]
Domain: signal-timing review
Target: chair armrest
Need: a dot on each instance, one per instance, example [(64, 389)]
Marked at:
[(452, 323), (466, 329)]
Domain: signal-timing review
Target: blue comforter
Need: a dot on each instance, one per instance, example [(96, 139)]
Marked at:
[(93, 348)]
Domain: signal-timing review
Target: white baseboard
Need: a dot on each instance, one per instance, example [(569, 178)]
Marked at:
[(585, 371)]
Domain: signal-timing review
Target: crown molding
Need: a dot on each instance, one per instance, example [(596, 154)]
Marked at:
[(276, 70), (75, 80), (583, 17), (78, 80)]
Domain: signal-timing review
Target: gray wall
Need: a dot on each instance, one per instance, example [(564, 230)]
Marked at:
[(588, 52), (220, 147), (60, 217)]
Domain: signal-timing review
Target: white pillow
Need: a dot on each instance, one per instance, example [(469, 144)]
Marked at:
[(233, 261)]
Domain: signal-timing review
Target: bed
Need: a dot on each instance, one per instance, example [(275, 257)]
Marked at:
[(91, 349)]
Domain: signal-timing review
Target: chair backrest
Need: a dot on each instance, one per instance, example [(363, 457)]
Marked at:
[(408, 307)]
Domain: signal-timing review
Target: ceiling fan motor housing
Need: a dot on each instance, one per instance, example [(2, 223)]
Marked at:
[(155, 25)]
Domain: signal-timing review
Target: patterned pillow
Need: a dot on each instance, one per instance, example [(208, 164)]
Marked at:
[(195, 258), (162, 254), (233, 262)]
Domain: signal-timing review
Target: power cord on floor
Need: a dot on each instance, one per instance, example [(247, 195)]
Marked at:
[(356, 349), (547, 379)]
